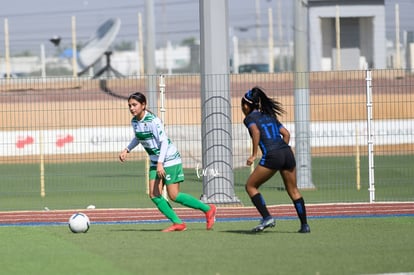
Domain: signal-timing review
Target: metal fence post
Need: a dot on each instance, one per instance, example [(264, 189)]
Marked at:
[(371, 168)]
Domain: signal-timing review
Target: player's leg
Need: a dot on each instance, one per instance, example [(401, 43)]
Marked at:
[(259, 176), (155, 191), (175, 175), (289, 180), (185, 199)]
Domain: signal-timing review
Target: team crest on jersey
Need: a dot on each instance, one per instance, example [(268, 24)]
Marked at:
[(146, 127)]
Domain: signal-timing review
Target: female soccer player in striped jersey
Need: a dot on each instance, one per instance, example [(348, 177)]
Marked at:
[(165, 164), (272, 137)]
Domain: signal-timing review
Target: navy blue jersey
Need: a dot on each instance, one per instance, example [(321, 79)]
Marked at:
[(270, 137)]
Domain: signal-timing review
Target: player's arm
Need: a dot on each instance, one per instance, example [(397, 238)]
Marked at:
[(134, 143), (159, 133), (285, 134), (161, 157), (255, 136)]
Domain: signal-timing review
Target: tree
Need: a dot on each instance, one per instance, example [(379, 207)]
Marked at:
[(24, 53), (124, 46), (189, 41)]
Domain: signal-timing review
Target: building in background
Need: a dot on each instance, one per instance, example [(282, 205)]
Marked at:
[(357, 40)]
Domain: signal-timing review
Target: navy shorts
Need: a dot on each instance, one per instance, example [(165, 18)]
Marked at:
[(282, 159)]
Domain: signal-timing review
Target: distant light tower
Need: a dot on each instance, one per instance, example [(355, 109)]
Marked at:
[(258, 32), (258, 23)]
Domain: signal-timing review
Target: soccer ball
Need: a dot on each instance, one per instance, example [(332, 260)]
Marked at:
[(79, 223)]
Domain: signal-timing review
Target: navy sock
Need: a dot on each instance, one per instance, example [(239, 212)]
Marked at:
[(260, 204), (301, 210)]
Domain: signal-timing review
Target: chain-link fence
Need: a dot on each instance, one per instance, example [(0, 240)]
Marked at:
[(60, 137)]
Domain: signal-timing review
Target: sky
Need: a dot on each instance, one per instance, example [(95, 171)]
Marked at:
[(33, 22)]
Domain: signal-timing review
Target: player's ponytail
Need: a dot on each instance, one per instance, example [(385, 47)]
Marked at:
[(256, 98)]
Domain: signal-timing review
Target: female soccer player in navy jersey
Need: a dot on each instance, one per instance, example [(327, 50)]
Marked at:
[(266, 131), (166, 166)]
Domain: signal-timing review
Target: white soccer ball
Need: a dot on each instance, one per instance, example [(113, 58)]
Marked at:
[(79, 223)]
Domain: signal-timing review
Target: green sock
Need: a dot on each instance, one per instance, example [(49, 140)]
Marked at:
[(190, 201), (164, 206)]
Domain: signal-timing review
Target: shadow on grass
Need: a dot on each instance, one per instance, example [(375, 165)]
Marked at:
[(136, 230), (249, 232)]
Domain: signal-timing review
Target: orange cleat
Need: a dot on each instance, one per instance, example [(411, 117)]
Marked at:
[(211, 216), (176, 227)]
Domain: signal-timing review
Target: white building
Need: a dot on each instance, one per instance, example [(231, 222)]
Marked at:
[(360, 34)]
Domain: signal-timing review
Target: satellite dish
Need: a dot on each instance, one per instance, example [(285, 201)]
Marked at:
[(98, 44), (55, 40)]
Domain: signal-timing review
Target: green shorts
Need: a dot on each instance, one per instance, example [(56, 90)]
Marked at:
[(173, 174)]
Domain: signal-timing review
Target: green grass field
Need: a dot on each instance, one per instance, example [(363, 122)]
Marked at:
[(335, 246), (115, 185)]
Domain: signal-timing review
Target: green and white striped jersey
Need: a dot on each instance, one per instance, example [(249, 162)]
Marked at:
[(150, 133)]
